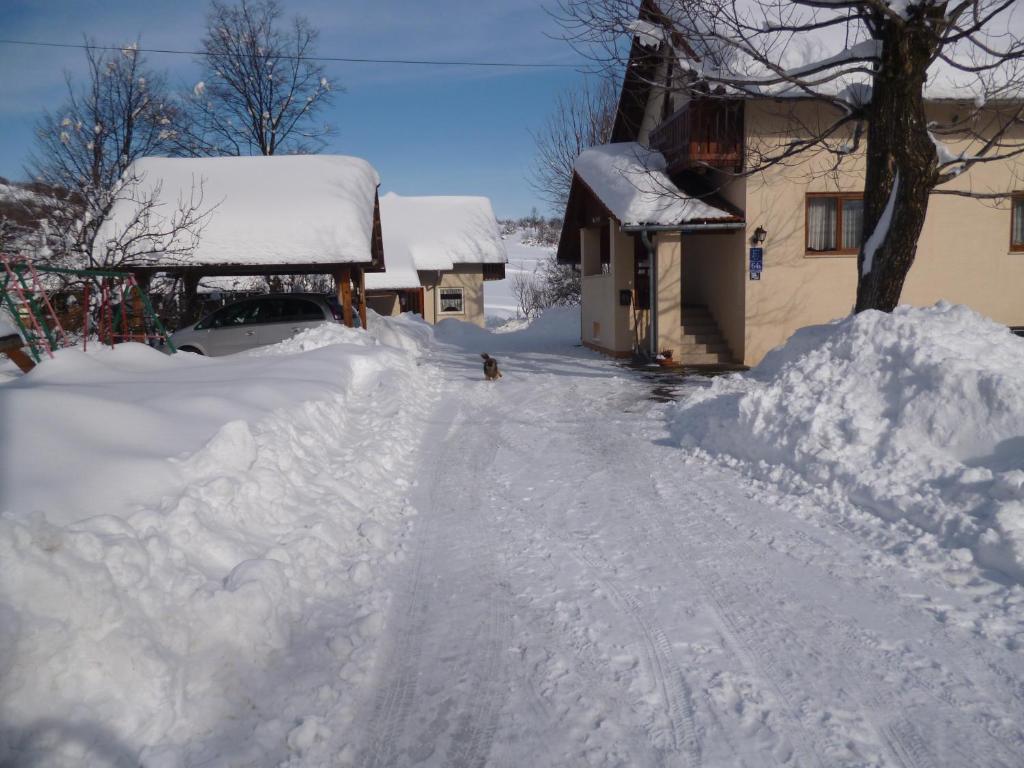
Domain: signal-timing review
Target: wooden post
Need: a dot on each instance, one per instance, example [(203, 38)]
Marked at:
[(362, 297), (343, 282), (12, 346), (191, 308)]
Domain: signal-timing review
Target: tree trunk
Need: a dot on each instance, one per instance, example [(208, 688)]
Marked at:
[(899, 148)]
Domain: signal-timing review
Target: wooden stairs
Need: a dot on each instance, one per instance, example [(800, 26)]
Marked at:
[(703, 343)]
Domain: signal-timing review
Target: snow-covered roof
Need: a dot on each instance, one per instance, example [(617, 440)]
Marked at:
[(829, 59), (630, 180), (287, 209), (434, 233)]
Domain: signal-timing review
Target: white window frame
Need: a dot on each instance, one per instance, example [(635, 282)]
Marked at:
[(462, 300)]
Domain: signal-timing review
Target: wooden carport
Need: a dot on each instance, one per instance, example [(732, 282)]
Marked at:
[(258, 216), (349, 277)]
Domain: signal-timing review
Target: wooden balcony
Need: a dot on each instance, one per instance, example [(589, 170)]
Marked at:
[(706, 132)]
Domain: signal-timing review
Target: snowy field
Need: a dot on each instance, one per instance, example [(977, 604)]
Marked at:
[(499, 303), (350, 549)]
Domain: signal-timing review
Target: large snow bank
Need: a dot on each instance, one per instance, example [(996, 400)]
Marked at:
[(287, 209), (631, 181), (915, 416), (192, 547)]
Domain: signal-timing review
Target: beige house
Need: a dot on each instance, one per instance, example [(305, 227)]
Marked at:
[(440, 251), (732, 264)]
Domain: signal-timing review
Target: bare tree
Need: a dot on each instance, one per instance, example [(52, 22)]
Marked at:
[(83, 155), (582, 117), (528, 293), (868, 67), (147, 227), (549, 285), (262, 91)]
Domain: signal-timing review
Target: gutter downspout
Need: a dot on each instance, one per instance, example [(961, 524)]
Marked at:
[(652, 324)]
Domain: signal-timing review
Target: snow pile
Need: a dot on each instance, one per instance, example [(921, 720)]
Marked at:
[(408, 332), (630, 180), (915, 416), (317, 337), (288, 209), (192, 547), (555, 329)]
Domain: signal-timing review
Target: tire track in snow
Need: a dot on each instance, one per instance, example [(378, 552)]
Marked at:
[(737, 614), (755, 652), (443, 691), (745, 646), (924, 674), (745, 649), (675, 698), (866, 677), (676, 693), (396, 698)]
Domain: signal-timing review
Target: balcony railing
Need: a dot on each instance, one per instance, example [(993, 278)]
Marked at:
[(704, 132)]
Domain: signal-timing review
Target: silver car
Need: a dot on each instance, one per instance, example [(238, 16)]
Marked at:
[(256, 322)]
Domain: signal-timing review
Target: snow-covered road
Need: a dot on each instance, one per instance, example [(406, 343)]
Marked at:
[(575, 592), (349, 549)]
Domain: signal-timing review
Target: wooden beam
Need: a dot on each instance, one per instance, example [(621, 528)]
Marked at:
[(13, 347), (361, 278), (343, 282)]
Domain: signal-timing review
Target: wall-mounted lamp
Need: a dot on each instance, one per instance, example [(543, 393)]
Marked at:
[(759, 236)]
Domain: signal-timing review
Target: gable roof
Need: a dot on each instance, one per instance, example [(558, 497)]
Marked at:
[(630, 181), (259, 211), (434, 233)]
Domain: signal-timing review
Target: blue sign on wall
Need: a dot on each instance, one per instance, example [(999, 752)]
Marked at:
[(756, 263)]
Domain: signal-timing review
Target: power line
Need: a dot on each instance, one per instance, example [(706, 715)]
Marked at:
[(343, 59)]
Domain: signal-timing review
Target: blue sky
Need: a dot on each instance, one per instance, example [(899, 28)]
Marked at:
[(428, 130)]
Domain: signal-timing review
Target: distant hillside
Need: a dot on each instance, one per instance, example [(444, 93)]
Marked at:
[(533, 229), (23, 208)]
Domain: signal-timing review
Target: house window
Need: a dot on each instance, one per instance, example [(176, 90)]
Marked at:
[(1017, 223), (834, 223), (450, 301), (606, 246)]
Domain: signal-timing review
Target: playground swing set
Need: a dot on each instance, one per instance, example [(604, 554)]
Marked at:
[(113, 309)]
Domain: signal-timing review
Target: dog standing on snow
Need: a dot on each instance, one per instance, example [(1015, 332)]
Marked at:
[(491, 372)]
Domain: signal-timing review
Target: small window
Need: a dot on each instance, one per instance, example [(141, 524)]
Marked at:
[(834, 223), (450, 301), (243, 313), (1017, 223), (302, 310)]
